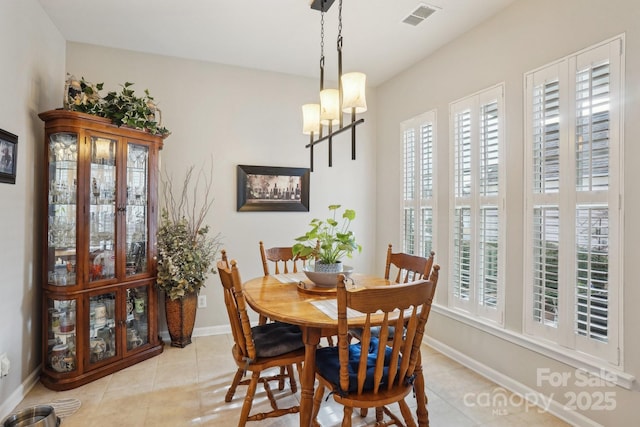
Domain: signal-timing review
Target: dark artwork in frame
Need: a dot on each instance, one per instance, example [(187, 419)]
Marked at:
[(272, 188), (8, 157)]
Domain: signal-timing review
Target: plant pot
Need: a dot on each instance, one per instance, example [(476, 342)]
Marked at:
[(321, 267), (181, 317), (326, 280)]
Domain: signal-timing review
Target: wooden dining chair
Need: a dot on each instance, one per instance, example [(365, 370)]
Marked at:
[(258, 348), (370, 374), (280, 256), (408, 267)]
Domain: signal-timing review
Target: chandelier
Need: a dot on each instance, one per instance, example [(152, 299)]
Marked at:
[(348, 98)]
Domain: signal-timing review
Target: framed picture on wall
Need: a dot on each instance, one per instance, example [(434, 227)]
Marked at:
[(273, 188), (8, 157)]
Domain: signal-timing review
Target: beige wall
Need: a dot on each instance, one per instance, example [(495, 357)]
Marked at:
[(528, 34), (32, 52), (240, 116)]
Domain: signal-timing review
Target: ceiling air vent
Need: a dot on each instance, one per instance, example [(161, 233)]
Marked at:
[(421, 12)]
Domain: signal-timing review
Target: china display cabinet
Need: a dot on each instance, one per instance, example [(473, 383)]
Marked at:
[(99, 297)]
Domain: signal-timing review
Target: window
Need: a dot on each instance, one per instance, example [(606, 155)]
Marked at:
[(573, 192), (478, 205), (418, 140)]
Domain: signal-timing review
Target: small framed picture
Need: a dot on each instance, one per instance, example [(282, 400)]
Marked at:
[(273, 188), (8, 157)]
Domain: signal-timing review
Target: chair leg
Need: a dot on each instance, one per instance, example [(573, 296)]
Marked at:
[(281, 378), (317, 401), (292, 379), (346, 418), (406, 414), (233, 386), (248, 399), (379, 414)]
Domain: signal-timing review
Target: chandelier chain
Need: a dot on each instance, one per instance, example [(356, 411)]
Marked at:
[(322, 34), (340, 19)]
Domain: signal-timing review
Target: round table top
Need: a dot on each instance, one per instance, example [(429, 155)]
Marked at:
[(287, 303)]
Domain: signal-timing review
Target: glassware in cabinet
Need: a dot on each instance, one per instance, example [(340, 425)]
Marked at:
[(137, 317), (102, 208), (136, 209), (102, 344), (62, 208), (61, 335)]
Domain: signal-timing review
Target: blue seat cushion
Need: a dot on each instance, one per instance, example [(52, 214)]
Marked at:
[(328, 365), (276, 338), (375, 332)]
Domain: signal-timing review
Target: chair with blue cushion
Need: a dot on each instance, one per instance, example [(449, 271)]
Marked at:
[(376, 372), (258, 348), (405, 268)]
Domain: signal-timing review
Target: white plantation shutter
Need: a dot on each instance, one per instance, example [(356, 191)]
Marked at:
[(426, 231), (488, 251), (477, 194), (573, 188), (546, 132), (409, 189), (489, 149), (462, 254), (592, 290), (462, 146), (546, 240), (418, 179)]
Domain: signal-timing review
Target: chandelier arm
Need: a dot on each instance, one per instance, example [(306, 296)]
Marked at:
[(353, 134), (311, 150), (335, 132), (340, 78), (330, 146)]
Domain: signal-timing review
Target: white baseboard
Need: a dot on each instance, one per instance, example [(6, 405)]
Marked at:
[(19, 394), (533, 396), (201, 332)]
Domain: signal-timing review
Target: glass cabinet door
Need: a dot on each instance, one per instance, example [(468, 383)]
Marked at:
[(137, 317), (136, 214), (102, 327), (61, 232), (61, 335), (102, 202)]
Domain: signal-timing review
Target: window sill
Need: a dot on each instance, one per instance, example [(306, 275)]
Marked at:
[(570, 357)]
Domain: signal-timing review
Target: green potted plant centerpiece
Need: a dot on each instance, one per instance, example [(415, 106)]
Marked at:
[(328, 241), (186, 252)]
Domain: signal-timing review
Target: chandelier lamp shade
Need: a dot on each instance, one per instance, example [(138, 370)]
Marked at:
[(325, 120)]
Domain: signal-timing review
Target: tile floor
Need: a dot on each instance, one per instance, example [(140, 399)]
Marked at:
[(186, 387)]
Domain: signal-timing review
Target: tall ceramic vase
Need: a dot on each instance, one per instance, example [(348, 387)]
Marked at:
[(181, 317)]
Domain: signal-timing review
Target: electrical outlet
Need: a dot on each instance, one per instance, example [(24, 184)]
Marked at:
[(202, 301), (4, 365)]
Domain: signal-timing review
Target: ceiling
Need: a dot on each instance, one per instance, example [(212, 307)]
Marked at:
[(276, 35)]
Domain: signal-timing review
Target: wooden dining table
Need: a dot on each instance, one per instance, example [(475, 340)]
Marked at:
[(293, 298)]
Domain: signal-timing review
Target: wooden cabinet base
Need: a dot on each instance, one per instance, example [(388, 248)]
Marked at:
[(61, 382)]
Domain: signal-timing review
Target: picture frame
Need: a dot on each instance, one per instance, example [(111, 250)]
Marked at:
[(8, 157), (272, 188)]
